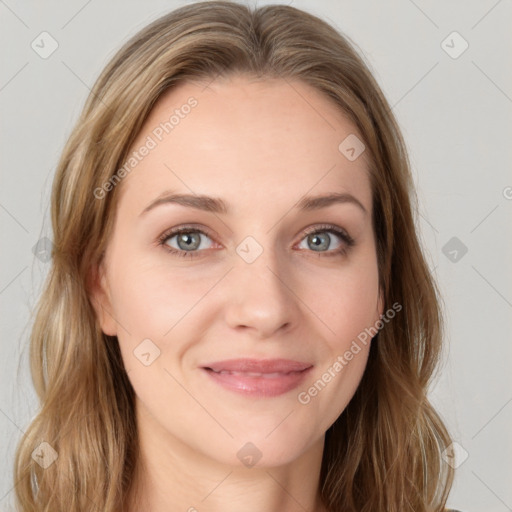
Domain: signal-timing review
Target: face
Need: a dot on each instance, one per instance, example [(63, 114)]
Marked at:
[(262, 273)]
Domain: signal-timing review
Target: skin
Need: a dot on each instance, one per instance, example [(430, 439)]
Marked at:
[(260, 145)]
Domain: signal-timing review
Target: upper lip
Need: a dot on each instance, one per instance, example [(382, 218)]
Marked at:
[(258, 365)]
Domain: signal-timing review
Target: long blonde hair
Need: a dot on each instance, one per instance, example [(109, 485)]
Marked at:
[(384, 452)]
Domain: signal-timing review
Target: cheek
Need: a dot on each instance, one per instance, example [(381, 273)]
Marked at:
[(155, 302), (351, 309), (347, 302)]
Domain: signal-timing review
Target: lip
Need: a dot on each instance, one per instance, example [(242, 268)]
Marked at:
[(258, 377)]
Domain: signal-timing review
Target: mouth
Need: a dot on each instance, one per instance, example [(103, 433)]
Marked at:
[(258, 378)]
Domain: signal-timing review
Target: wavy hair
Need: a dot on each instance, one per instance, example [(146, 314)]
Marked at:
[(384, 452)]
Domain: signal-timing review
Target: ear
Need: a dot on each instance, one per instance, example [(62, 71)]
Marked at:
[(99, 293)]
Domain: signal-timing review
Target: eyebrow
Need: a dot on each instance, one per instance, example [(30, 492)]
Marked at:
[(217, 205)]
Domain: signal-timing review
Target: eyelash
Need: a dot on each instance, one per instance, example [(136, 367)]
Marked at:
[(325, 228)]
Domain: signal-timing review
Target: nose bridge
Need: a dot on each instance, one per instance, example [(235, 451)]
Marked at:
[(258, 265), (261, 297)]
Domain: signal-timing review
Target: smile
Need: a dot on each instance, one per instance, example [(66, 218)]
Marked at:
[(257, 384)]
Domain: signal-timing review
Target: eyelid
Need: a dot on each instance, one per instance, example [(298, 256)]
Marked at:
[(339, 231), (325, 227), (171, 232)]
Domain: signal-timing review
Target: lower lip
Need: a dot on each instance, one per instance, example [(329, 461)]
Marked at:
[(259, 386)]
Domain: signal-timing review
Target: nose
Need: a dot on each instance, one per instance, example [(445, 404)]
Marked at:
[(261, 297)]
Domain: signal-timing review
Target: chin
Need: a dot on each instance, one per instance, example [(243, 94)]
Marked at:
[(259, 451)]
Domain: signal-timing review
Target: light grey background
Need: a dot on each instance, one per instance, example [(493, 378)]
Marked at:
[(456, 118)]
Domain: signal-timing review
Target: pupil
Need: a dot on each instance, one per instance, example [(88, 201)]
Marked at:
[(187, 238), (317, 241)]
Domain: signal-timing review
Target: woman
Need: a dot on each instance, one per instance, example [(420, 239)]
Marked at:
[(239, 315)]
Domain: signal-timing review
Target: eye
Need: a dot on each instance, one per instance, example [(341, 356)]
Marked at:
[(188, 240), (320, 238)]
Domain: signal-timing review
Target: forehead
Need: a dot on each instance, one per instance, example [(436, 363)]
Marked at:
[(247, 140)]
